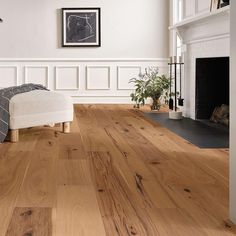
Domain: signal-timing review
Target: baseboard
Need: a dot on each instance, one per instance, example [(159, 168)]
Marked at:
[(102, 100)]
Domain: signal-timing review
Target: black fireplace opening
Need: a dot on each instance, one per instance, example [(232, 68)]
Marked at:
[(212, 85)]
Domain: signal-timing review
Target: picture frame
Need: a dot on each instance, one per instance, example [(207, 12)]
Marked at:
[(215, 4), (81, 27)]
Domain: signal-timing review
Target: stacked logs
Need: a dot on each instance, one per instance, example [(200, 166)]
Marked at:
[(220, 115)]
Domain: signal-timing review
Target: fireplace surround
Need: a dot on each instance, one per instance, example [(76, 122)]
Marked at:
[(212, 85), (205, 35)]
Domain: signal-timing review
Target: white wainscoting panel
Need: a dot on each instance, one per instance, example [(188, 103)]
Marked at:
[(189, 8), (202, 6), (85, 80), (98, 77), (192, 8), (67, 77), (124, 74), (8, 76), (37, 74)]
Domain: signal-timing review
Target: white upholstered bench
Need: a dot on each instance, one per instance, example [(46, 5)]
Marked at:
[(38, 108)]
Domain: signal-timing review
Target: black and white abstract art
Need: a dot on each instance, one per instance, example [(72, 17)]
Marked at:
[(81, 27)]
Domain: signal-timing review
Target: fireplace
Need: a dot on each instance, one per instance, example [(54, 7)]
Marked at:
[(212, 85)]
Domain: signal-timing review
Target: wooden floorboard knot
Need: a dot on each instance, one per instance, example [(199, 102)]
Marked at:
[(155, 163), (28, 234), (187, 190), (26, 213), (139, 184)]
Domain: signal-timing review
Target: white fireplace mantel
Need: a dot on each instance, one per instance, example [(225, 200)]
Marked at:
[(205, 35), (204, 26)]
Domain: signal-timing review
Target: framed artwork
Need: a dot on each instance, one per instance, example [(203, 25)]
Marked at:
[(215, 4), (81, 27)]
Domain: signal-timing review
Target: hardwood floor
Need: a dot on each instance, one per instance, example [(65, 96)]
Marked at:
[(116, 173)]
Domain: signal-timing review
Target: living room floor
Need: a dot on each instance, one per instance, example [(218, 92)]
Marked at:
[(116, 173)]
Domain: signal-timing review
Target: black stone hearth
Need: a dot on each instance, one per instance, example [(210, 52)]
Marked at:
[(201, 134), (212, 85)]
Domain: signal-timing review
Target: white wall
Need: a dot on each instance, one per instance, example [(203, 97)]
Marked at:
[(233, 116), (171, 32), (134, 36), (133, 28)]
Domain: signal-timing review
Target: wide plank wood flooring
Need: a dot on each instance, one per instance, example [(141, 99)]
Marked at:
[(115, 174)]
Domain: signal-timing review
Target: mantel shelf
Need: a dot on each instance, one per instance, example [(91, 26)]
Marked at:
[(201, 17)]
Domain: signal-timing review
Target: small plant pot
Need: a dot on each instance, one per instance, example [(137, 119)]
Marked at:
[(155, 105), (175, 115)]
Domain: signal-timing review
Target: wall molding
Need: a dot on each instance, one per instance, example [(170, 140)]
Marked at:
[(197, 10), (27, 67), (102, 100), (100, 86), (200, 40), (66, 67), (200, 11), (88, 68), (16, 69), (84, 59), (119, 68)]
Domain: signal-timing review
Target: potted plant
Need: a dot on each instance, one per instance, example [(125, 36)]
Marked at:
[(150, 85)]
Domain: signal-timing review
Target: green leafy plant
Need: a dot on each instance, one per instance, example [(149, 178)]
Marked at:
[(150, 85)]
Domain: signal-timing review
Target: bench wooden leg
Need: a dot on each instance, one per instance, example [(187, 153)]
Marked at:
[(66, 127), (14, 136)]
